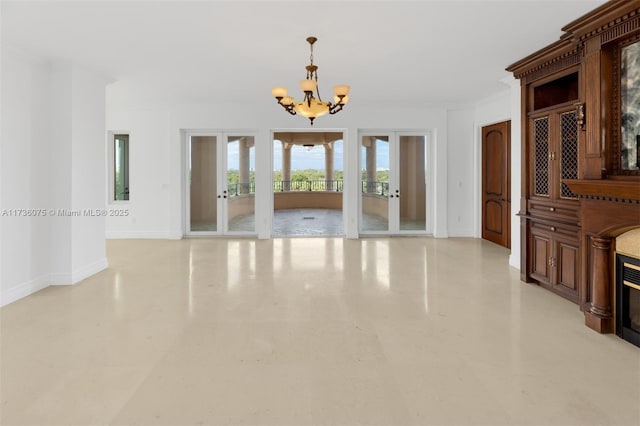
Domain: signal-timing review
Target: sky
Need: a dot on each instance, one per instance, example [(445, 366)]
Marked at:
[(302, 159)]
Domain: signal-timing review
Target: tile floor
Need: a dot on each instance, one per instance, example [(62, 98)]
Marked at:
[(309, 331), (307, 222), (311, 223)]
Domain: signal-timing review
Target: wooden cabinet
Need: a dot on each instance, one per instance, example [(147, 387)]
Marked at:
[(555, 257), (552, 230), (553, 236), (580, 187)]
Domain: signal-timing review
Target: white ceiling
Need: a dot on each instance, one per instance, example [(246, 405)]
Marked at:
[(411, 52)]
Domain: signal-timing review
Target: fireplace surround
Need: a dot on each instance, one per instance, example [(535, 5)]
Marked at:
[(627, 286), (628, 298), (610, 225)]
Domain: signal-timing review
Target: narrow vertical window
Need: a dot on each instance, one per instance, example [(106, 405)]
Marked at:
[(121, 167)]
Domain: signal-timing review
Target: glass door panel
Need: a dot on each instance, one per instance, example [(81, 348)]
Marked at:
[(240, 180), (375, 158), (413, 183), (203, 182), (394, 176)]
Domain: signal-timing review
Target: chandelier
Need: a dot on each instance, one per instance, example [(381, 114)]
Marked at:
[(311, 107)]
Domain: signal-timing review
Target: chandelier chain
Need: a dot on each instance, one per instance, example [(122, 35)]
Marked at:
[(317, 86)]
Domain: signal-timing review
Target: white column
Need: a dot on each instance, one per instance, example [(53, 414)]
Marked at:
[(79, 187), (286, 166), (245, 145), (328, 166), (371, 161)]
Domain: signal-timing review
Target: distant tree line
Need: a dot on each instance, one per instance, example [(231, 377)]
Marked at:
[(233, 176)]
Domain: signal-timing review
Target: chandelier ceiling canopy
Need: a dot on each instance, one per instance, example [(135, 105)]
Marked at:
[(312, 107)]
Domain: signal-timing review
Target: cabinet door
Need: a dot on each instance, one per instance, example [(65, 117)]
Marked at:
[(568, 151), (541, 246), (541, 157), (555, 259), (554, 154), (567, 267)]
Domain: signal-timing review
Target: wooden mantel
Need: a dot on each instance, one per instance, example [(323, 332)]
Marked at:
[(615, 189), (609, 207)]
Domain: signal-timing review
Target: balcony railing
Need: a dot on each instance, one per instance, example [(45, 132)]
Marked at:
[(307, 185), (368, 187), (235, 189), (375, 188)]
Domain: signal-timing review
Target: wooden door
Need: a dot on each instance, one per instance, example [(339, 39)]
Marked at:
[(496, 183)]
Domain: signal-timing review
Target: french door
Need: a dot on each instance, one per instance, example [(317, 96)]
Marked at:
[(394, 189), (220, 193)]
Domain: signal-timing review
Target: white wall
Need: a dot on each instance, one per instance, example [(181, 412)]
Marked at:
[(461, 173), (24, 170), (149, 179), (156, 155), (501, 107), (88, 178), (52, 158), (60, 169)]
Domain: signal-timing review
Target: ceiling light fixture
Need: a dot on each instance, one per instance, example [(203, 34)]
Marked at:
[(311, 107)]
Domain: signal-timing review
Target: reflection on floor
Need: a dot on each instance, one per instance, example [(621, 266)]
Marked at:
[(290, 222), (309, 222), (309, 331)]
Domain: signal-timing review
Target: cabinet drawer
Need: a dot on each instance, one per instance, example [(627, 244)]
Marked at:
[(555, 229), (554, 211)]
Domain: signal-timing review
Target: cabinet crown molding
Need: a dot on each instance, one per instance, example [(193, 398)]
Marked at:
[(611, 21)]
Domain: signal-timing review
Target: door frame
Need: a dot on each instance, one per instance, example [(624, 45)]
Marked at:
[(345, 166), (222, 225), (394, 180)]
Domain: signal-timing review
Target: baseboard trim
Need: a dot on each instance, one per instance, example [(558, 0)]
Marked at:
[(25, 289), (88, 270), (60, 278), (514, 260), (138, 235), (79, 274), (462, 234)]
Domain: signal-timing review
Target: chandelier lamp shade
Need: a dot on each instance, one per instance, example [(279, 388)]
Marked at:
[(312, 106)]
